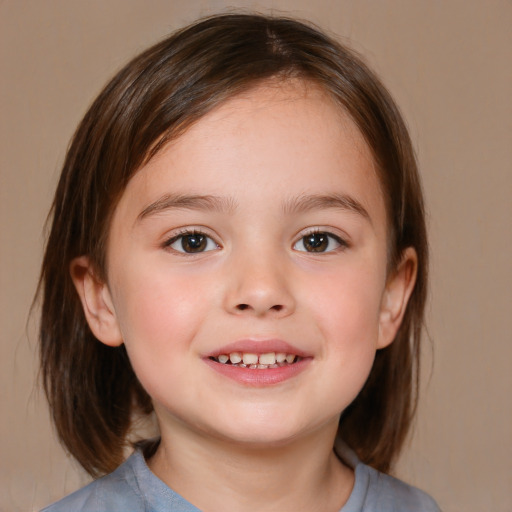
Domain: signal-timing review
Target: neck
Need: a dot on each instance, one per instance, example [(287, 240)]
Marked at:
[(215, 474)]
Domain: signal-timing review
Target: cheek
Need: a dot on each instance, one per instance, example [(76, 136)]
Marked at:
[(349, 300), (155, 300), (347, 314), (158, 314)]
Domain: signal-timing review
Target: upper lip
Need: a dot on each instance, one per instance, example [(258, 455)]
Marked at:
[(258, 346)]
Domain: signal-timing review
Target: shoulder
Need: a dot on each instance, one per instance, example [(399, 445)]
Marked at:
[(377, 492), (386, 493), (132, 487), (115, 492)]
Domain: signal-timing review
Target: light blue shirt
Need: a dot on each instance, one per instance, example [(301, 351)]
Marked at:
[(132, 487)]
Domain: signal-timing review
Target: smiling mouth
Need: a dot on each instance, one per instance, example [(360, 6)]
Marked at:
[(257, 361)]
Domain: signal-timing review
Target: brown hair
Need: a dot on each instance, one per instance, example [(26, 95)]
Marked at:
[(91, 388)]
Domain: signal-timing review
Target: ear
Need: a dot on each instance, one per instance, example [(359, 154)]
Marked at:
[(399, 287), (96, 302)]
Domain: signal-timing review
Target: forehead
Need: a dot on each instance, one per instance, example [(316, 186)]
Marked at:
[(288, 130)]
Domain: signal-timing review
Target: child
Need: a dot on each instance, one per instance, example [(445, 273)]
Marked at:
[(238, 243)]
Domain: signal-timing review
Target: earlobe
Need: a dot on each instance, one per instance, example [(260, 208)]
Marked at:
[(398, 290), (96, 302)]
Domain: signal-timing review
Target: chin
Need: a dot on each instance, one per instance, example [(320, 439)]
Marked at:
[(261, 440), (262, 432)]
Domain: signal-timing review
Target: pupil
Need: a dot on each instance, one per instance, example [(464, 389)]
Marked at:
[(316, 242), (193, 243)]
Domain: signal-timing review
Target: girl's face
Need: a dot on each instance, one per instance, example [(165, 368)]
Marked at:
[(259, 234)]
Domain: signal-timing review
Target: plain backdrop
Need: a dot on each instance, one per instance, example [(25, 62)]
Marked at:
[(448, 64)]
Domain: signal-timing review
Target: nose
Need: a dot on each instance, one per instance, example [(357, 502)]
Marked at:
[(258, 285)]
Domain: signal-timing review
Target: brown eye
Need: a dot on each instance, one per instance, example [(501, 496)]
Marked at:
[(191, 243), (318, 242)]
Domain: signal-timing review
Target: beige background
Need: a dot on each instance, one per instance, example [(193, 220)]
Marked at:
[(449, 65)]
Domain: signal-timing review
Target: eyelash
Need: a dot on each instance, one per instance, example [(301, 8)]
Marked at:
[(342, 244), (190, 233), (206, 241)]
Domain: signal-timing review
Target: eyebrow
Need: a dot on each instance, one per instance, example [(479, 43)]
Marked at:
[(188, 202), (305, 203), (299, 204)]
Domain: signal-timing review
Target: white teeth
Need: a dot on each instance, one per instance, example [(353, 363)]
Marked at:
[(250, 358), (280, 357), (269, 358), (236, 357), (255, 361)]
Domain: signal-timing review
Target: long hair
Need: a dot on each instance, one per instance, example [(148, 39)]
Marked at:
[(91, 388)]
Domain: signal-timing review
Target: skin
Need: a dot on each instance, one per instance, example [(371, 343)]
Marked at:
[(261, 153)]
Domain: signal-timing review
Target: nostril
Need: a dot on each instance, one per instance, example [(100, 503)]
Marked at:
[(276, 308)]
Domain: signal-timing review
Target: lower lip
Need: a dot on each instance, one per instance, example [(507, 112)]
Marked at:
[(259, 377)]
